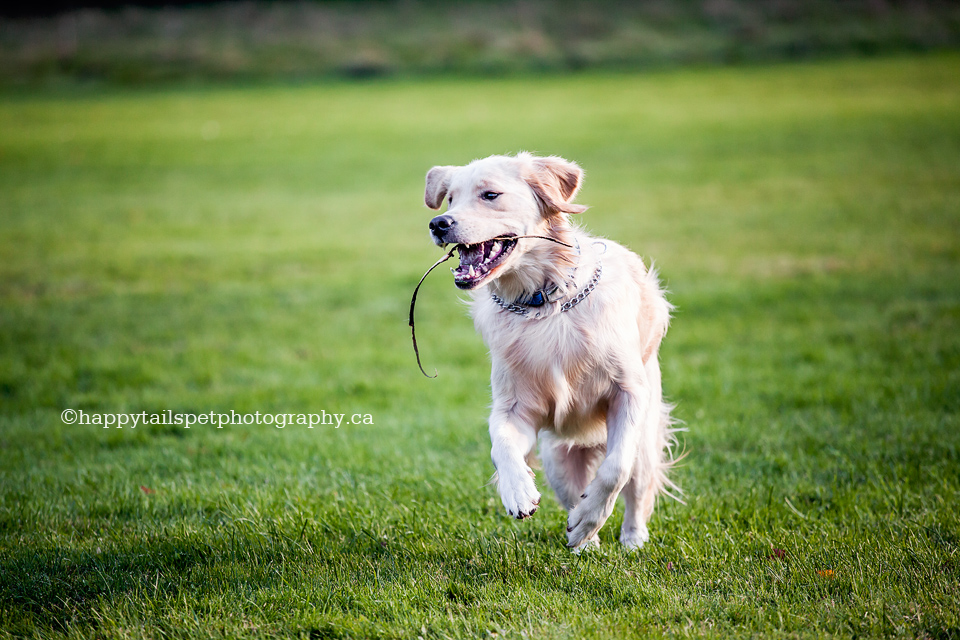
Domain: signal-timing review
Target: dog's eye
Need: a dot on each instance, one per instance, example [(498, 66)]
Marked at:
[(490, 196)]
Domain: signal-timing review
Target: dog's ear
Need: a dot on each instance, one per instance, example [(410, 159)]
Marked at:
[(438, 182), (555, 182)]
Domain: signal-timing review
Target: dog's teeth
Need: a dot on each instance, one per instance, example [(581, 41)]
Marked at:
[(471, 272)]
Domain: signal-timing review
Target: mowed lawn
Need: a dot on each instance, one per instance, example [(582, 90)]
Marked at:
[(254, 249)]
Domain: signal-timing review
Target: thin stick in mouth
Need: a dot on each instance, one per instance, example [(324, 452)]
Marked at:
[(413, 303), (447, 256), (570, 246)]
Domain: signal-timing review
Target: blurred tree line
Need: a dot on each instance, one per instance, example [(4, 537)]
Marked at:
[(156, 41)]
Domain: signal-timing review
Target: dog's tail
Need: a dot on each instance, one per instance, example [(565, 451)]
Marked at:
[(669, 455)]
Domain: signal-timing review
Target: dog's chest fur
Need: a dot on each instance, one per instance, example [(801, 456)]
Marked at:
[(562, 370)]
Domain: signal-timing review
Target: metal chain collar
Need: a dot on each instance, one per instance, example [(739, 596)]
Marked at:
[(524, 310)]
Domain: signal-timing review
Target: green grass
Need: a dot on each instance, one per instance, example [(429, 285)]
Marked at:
[(255, 249)]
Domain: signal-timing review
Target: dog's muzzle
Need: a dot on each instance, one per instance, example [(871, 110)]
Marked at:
[(478, 260)]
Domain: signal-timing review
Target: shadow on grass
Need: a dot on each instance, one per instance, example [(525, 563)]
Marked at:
[(58, 589)]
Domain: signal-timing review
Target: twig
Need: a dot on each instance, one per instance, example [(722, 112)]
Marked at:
[(447, 256), (413, 302), (570, 246)]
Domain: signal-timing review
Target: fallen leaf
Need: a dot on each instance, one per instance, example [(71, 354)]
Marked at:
[(825, 573), (778, 554), (146, 490)]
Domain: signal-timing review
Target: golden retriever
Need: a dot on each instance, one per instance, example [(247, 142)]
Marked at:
[(573, 327)]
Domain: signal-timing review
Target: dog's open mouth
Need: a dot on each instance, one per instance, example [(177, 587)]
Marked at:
[(477, 261)]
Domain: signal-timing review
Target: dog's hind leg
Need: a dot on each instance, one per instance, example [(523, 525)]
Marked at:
[(647, 480), (569, 467), (639, 496)]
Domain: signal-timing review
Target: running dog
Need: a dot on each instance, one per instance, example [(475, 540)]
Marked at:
[(573, 324)]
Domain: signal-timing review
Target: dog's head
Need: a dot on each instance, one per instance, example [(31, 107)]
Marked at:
[(492, 200)]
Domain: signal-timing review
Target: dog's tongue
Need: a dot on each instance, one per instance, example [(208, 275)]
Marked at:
[(471, 253)]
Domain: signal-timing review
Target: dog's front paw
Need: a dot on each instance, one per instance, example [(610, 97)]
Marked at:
[(587, 545), (586, 518), (519, 495)]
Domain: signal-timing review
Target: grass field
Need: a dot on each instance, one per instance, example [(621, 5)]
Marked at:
[(254, 249)]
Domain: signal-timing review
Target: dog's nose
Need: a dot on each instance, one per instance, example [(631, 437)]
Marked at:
[(442, 224)]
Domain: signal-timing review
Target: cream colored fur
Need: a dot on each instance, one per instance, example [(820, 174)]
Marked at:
[(585, 382)]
